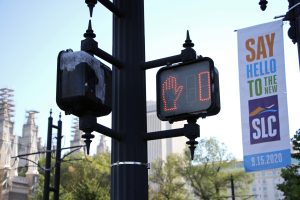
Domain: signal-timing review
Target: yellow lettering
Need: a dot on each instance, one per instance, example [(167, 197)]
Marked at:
[(250, 57), (261, 49), (270, 42)]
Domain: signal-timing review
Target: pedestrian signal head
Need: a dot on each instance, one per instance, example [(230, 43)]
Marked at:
[(83, 84), (188, 90)]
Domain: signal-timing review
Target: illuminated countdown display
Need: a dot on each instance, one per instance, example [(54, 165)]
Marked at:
[(188, 90)]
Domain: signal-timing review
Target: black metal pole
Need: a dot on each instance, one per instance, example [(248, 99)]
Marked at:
[(129, 157), (48, 160), (162, 61), (58, 160), (297, 13), (232, 188)]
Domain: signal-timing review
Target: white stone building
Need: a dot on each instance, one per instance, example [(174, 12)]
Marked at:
[(102, 146), (163, 147), (15, 187), (8, 140), (29, 143), (264, 186), (77, 133), (79, 141)]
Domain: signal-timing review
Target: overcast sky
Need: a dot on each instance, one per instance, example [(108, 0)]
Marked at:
[(33, 32)]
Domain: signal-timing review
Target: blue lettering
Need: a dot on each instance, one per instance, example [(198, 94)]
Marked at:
[(256, 74), (273, 65), (262, 68), (266, 68), (249, 71)]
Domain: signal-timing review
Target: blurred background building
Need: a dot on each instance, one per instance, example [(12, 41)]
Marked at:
[(18, 177), (163, 147)]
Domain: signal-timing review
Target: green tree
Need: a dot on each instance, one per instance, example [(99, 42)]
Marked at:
[(165, 180), (84, 178), (210, 171), (90, 189), (2, 178), (291, 184)]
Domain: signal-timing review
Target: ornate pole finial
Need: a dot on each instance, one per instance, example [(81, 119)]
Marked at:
[(51, 112), (188, 53), (263, 4), (91, 4), (188, 42), (89, 32), (192, 146), (88, 136)]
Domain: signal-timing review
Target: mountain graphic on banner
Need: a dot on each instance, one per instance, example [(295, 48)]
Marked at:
[(260, 110)]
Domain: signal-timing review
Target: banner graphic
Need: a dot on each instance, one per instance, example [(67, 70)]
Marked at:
[(264, 115)]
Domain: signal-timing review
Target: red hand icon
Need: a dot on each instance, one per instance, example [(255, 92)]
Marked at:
[(171, 93)]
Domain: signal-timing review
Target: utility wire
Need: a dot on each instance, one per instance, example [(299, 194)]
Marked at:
[(72, 152), (21, 156), (37, 164), (42, 152)]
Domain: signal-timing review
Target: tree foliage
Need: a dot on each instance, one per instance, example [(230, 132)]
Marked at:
[(208, 176), (296, 145), (178, 178), (165, 180), (85, 178), (2, 179), (291, 184), (210, 172)]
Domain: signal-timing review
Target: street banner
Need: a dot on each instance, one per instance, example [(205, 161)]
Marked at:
[(264, 114)]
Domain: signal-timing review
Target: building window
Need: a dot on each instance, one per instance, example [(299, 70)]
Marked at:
[(264, 188)]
